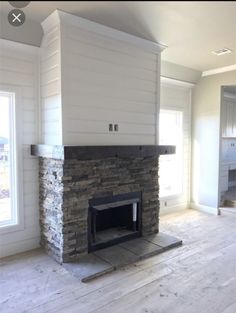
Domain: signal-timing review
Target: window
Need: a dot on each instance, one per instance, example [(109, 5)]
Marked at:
[(9, 201), (171, 166)]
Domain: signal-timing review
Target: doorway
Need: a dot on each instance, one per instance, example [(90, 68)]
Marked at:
[(227, 166)]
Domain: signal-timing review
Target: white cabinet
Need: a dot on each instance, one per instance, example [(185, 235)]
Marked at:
[(229, 118), (224, 178)]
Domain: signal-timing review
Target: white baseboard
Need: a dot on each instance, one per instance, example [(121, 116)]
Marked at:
[(18, 247), (204, 208), (172, 209)]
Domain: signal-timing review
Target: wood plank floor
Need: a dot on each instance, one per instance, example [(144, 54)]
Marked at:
[(198, 277)]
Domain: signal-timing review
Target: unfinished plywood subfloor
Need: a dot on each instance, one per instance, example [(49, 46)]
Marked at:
[(198, 277)]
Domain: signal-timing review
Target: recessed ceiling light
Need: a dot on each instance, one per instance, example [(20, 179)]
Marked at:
[(222, 51)]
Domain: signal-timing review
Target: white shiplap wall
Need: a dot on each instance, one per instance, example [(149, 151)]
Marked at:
[(93, 75), (178, 98), (106, 81), (50, 81), (19, 69)]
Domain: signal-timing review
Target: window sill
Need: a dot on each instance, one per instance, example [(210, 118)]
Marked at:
[(10, 227), (169, 197)]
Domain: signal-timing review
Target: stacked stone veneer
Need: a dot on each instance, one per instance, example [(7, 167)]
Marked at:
[(66, 186)]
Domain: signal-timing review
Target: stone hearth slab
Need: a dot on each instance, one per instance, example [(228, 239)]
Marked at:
[(163, 240), (109, 259), (142, 248), (117, 256), (88, 267)]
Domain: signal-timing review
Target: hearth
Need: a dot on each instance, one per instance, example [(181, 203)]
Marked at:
[(96, 196), (113, 220)]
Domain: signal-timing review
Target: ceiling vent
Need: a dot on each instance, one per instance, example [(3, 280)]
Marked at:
[(222, 51)]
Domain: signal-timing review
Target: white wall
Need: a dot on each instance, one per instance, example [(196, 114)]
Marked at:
[(179, 72), (93, 76), (206, 138), (50, 81), (19, 68), (107, 81)]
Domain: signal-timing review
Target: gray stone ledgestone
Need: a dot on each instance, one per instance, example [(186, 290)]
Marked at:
[(66, 186)]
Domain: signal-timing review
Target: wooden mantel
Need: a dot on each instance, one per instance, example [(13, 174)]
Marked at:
[(63, 152)]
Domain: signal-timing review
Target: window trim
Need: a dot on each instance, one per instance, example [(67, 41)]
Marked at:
[(18, 218), (177, 194)]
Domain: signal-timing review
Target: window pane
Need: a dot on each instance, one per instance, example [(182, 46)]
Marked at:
[(170, 167), (5, 174)]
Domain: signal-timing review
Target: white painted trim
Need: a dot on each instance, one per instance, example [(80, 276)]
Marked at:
[(19, 46), (219, 70), (204, 208), (19, 246), (173, 209), (61, 17), (158, 98), (176, 82), (19, 224)]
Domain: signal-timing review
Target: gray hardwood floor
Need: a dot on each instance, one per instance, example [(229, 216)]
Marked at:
[(198, 277)]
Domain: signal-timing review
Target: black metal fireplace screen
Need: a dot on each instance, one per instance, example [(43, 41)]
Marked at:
[(113, 220)]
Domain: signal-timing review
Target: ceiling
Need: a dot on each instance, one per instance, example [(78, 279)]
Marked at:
[(191, 30)]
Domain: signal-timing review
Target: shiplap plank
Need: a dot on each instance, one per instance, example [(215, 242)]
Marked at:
[(50, 36), (103, 66), (109, 103), (78, 34), (102, 53), (49, 76), (110, 81), (51, 132), (50, 62), (16, 65), (51, 89), (99, 127), (14, 77), (97, 114), (82, 87), (103, 139)]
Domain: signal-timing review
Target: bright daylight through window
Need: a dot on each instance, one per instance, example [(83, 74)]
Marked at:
[(8, 203), (171, 166)]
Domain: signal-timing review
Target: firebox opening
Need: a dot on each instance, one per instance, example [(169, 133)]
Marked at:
[(115, 220)]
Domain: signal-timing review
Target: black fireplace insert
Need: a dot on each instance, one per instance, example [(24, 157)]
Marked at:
[(113, 220)]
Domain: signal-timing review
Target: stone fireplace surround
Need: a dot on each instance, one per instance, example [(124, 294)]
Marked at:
[(70, 176)]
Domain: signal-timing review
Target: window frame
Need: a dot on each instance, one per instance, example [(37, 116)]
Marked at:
[(177, 194), (17, 221)]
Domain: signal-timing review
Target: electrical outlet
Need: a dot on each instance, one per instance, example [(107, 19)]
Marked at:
[(110, 127), (116, 127)]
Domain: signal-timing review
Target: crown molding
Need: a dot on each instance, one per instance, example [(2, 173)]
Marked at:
[(59, 17), (176, 82), (219, 70)]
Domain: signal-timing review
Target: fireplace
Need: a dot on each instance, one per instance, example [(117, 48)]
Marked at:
[(113, 220), (96, 196)]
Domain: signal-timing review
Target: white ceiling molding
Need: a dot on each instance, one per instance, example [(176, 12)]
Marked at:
[(60, 17), (219, 70), (176, 82)]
